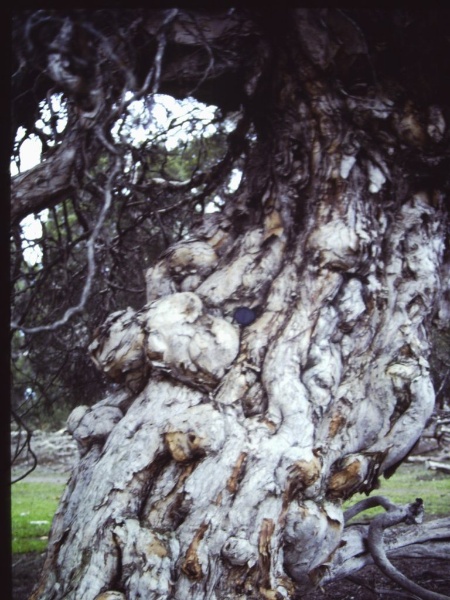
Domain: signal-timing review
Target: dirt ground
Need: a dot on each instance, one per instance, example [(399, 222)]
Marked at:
[(368, 584)]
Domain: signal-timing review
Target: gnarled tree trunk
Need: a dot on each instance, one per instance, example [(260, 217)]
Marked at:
[(220, 467)]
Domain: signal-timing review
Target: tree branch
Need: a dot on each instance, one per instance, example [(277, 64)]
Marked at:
[(406, 543), (70, 312), (45, 184), (412, 513)]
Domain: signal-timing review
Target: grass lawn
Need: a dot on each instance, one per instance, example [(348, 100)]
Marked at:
[(33, 504), (32, 508), (412, 481)]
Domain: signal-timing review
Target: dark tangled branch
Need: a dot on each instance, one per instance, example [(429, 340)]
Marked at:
[(91, 265), (410, 514), (22, 445)]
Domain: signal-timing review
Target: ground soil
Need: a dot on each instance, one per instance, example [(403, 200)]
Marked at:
[(368, 584)]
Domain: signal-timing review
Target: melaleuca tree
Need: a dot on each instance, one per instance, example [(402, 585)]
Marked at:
[(278, 364)]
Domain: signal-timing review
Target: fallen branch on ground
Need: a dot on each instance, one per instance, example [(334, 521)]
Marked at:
[(365, 544)]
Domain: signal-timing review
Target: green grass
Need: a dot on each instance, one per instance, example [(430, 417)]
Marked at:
[(32, 508), (411, 481)]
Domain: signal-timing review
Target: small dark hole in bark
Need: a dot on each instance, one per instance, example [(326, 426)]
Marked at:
[(244, 316)]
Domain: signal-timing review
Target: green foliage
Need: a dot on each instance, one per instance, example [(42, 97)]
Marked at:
[(411, 481), (32, 508), (181, 163)]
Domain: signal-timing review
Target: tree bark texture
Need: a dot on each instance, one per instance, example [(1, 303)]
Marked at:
[(219, 468)]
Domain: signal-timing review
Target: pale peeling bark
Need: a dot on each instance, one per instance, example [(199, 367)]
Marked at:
[(220, 469)]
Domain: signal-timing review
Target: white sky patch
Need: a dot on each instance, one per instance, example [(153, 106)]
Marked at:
[(29, 154), (235, 180), (31, 231), (31, 149), (58, 109), (173, 121), (213, 207)]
